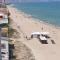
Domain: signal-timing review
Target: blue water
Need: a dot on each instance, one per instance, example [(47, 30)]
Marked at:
[(48, 12)]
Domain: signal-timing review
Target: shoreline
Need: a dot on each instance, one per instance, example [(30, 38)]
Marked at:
[(36, 19)]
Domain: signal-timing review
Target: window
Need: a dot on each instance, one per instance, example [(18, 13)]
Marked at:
[(4, 34), (3, 46), (1, 17)]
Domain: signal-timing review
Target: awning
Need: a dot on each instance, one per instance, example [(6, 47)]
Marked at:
[(44, 33), (36, 33)]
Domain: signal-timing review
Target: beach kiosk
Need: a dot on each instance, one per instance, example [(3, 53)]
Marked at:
[(43, 37), (43, 40)]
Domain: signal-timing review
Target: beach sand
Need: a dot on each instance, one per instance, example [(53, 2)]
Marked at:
[(25, 25)]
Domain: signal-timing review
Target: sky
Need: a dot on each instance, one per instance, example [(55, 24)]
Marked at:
[(32, 0)]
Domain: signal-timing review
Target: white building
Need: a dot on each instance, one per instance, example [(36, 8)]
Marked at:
[(3, 18), (4, 49)]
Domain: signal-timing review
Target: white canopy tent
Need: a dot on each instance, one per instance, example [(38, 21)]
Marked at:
[(36, 33), (44, 33)]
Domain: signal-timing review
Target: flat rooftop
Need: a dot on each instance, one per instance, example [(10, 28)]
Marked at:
[(3, 9)]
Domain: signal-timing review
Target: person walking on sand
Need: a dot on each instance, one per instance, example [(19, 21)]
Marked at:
[(42, 28)]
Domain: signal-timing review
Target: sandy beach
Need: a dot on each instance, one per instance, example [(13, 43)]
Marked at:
[(25, 25)]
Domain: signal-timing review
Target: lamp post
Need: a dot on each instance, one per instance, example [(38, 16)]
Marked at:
[(0, 45)]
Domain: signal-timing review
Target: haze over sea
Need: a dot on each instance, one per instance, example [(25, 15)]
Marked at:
[(48, 12)]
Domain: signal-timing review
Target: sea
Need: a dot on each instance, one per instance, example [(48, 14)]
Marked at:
[(44, 11)]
